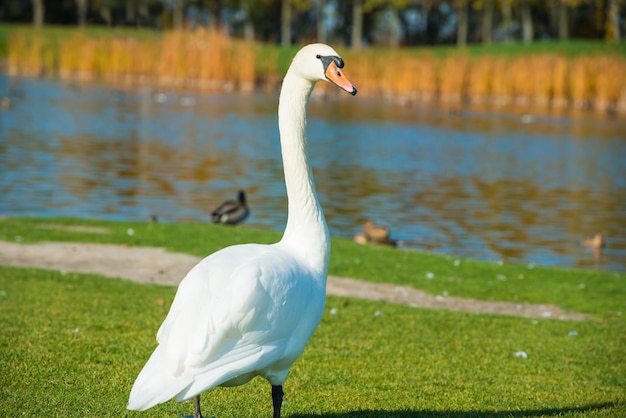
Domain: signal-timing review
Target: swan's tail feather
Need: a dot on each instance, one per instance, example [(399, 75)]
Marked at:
[(155, 384)]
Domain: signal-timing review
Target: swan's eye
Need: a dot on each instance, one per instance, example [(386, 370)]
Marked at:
[(318, 56)]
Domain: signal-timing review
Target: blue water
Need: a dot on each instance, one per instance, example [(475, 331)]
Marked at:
[(493, 186)]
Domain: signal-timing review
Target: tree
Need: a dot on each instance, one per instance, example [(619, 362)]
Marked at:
[(562, 16), (527, 21), (81, 11), (104, 10), (462, 12), (613, 21), (287, 14), (285, 22), (131, 10), (385, 24), (392, 28), (486, 27), (506, 8), (563, 19), (38, 12), (214, 8), (321, 23), (243, 17), (357, 24), (248, 30), (177, 14)]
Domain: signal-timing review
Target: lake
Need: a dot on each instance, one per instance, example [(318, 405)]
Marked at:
[(496, 186)]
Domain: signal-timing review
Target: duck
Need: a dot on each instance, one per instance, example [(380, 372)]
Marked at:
[(596, 242), (360, 238), (249, 310), (231, 212), (374, 234)]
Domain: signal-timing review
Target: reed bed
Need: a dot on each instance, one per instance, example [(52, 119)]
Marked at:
[(542, 80), (212, 60), (202, 58)]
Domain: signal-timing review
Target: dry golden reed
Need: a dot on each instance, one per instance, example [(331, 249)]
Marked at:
[(559, 82), (453, 78), (543, 80), (207, 59), (212, 60), (479, 81)]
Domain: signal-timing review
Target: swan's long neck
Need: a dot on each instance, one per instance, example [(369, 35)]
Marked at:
[(306, 234)]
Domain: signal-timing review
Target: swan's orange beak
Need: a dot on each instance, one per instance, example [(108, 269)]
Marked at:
[(335, 75)]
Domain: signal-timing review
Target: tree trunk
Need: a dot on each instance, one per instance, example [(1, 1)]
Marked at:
[(105, 12), (394, 36), (321, 22), (462, 28), (143, 13), (38, 13), (487, 26), (527, 22), (131, 11), (357, 24), (81, 11), (563, 21), (215, 15), (248, 26), (177, 14), (613, 30), (507, 19), (285, 24)]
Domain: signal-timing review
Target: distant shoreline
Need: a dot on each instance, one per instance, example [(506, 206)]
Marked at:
[(453, 107)]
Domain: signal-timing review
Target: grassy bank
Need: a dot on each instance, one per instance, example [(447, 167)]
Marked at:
[(602, 294), (585, 75), (72, 344)]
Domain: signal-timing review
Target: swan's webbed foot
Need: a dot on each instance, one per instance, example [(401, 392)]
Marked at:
[(277, 399)]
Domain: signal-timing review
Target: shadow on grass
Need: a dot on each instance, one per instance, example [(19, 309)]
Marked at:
[(549, 412)]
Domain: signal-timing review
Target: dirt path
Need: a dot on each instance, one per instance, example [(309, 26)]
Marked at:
[(156, 265)]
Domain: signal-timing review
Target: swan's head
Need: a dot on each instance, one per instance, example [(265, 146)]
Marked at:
[(318, 62)]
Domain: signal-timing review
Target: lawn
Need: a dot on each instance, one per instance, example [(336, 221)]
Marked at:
[(72, 344)]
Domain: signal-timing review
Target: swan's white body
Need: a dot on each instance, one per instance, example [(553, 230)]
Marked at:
[(249, 310)]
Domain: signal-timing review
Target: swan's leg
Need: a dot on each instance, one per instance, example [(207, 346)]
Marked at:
[(198, 414), (277, 399)]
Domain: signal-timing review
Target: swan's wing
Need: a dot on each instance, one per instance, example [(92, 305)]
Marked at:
[(202, 326), (235, 313), (209, 311), (275, 324)]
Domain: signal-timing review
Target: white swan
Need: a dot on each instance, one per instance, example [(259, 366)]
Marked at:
[(249, 310)]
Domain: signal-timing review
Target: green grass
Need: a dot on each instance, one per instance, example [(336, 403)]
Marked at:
[(72, 344), (571, 48), (599, 293)]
